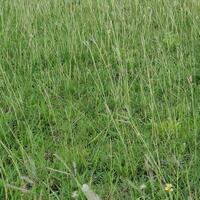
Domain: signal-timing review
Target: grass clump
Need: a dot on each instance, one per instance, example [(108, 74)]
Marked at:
[(111, 87)]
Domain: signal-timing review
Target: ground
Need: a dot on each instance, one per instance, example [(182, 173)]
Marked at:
[(103, 92)]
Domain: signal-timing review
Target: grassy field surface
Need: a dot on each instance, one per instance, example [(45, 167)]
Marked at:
[(100, 92)]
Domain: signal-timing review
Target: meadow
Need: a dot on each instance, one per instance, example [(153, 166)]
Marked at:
[(100, 92)]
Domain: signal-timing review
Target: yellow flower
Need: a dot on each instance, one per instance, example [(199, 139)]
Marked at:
[(168, 187)]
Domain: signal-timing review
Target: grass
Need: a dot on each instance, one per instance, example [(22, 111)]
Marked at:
[(106, 90)]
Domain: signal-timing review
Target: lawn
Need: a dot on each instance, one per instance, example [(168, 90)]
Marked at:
[(100, 92)]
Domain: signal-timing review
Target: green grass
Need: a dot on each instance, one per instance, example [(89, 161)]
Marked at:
[(110, 86)]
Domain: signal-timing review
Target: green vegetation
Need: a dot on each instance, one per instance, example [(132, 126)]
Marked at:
[(104, 90)]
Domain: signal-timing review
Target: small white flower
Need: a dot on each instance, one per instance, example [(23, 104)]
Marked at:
[(143, 187), (90, 195), (75, 195)]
